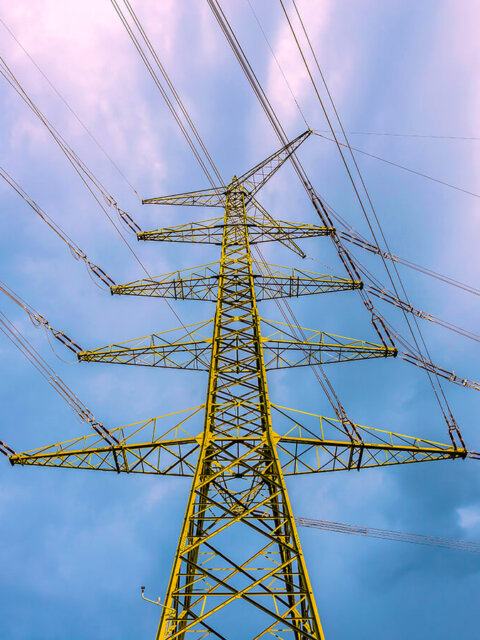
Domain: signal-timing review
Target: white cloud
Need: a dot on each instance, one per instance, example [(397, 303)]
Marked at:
[(290, 61), (469, 517), (85, 51)]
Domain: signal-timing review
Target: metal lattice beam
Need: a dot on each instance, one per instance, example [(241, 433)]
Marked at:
[(280, 350), (211, 232), (239, 556), (201, 283)]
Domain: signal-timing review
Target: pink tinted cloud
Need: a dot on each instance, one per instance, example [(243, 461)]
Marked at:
[(85, 51)]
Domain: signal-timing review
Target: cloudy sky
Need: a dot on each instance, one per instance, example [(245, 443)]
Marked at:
[(76, 546)]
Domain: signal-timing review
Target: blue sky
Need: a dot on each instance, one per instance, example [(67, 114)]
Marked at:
[(76, 546)]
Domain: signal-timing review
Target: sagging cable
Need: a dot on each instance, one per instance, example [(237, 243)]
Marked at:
[(356, 239), (83, 413), (429, 366), (397, 536), (75, 250), (38, 319), (93, 184), (6, 450), (413, 356), (384, 294)]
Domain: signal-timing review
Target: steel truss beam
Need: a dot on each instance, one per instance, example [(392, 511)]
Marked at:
[(201, 283), (251, 181), (211, 232), (238, 560), (280, 348), (309, 444)]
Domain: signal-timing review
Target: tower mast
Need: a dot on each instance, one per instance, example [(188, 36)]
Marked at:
[(238, 491), (238, 570)]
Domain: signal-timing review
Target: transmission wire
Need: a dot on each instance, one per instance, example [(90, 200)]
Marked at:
[(401, 166), (159, 86), (79, 166), (440, 387), (82, 412), (387, 534)]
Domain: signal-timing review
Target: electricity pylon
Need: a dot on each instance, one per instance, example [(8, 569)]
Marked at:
[(238, 571)]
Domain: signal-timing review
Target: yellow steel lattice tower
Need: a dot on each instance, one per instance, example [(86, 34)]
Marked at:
[(238, 571)]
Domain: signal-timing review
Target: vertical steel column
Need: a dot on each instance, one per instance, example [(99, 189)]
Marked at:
[(255, 577)]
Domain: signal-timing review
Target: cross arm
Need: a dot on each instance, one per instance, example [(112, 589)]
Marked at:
[(189, 348), (316, 444), (183, 348), (211, 232), (254, 179), (201, 283), (139, 448), (282, 348), (215, 197)]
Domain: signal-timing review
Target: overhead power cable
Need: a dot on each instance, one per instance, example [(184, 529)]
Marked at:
[(387, 534), (75, 250), (410, 135), (38, 319), (377, 289), (32, 355), (413, 356), (280, 68), (451, 376), (204, 160), (368, 246), (401, 166), (413, 328), (91, 182), (352, 133), (386, 295)]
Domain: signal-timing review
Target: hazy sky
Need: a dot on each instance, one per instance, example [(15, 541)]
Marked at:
[(76, 546)]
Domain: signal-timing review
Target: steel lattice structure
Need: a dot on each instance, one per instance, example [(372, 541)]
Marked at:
[(239, 570)]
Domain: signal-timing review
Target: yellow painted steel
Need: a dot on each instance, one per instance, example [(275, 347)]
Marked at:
[(238, 570), (238, 492), (201, 283)]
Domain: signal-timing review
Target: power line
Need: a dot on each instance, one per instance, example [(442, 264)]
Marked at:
[(403, 167), (387, 534), (411, 135), (75, 250), (53, 379), (92, 183), (353, 133), (257, 19), (38, 319), (170, 104), (386, 255), (435, 382), (87, 177)]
